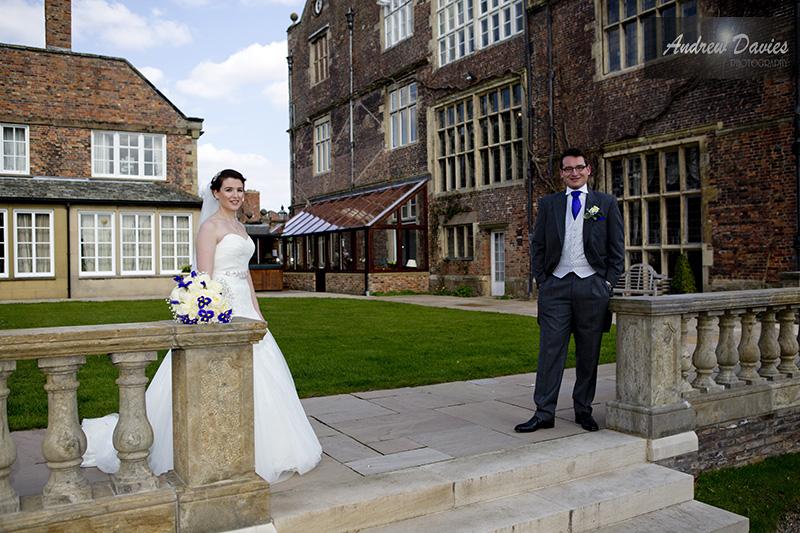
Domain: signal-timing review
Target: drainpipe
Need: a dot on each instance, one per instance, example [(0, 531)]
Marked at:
[(367, 260), (69, 257), (292, 162), (529, 180), (350, 18), (796, 146), (550, 75)]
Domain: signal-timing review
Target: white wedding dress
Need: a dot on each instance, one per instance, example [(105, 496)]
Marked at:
[(284, 440)]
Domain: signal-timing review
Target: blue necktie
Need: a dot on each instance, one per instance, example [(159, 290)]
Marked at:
[(576, 204)]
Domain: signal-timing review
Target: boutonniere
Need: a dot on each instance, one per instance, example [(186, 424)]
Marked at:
[(594, 213)]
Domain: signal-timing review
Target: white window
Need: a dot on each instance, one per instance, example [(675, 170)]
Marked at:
[(398, 20), (34, 243), (137, 243), (322, 147), (96, 247), (459, 22), (176, 242), (403, 115), (15, 149), (460, 242), (4, 243), (638, 31), (128, 155)]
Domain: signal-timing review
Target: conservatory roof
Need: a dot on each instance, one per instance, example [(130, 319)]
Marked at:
[(353, 210)]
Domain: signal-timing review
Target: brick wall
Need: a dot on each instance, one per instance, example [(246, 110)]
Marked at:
[(61, 114), (417, 282), (742, 442)]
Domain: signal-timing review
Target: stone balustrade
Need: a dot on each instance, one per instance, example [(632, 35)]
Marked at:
[(742, 363), (213, 486)]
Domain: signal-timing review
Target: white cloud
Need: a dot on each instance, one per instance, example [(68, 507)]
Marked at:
[(22, 23), (278, 93), (256, 64), (113, 23), (263, 175), (153, 74)]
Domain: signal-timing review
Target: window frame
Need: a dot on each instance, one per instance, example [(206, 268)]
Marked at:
[(162, 257), (27, 147), (403, 116), (96, 243), (34, 244), (101, 156), (137, 244), (632, 28), (467, 242), (395, 14), (466, 26), (322, 146), (638, 200), (470, 150), (319, 56), (4, 245)]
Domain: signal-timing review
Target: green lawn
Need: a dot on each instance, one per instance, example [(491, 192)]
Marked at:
[(332, 346)]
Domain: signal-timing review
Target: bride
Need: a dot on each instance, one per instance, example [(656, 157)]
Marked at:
[(284, 440)]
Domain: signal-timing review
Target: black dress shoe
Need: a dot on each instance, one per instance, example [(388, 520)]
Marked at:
[(533, 424), (586, 421)]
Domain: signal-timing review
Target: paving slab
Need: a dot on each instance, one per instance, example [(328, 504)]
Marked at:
[(399, 425), (468, 440), (398, 461)]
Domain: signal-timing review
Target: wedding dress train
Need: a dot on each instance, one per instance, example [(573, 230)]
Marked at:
[(284, 440)]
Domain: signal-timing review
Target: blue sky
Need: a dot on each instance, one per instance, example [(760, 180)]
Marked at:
[(222, 61)]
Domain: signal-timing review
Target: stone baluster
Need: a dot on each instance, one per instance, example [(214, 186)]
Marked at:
[(704, 358), (64, 441), (727, 355), (768, 344), (133, 434), (9, 499), (686, 357), (749, 352), (788, 343)]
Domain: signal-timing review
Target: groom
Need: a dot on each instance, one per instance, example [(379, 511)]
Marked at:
[(578, 256)]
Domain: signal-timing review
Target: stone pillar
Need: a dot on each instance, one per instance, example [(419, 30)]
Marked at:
[(9, 499), (704, 358), (133, 434), (768, 344), (788, 342), (749, 352), (727, 354), (648, 402), (64, 441), (212, 384)]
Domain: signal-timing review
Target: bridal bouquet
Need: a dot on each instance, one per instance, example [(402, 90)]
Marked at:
[(199, 299)]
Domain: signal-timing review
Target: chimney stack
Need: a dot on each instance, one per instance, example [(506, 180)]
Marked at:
[(58, 24)]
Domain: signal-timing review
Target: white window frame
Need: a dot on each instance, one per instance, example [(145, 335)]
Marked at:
[(96, 242), (110, 148), (403, 116), (13, 146), (4, 245), (464, 26), (35, 257), (625, 24), (137, 243), (177, 265), (398, 17), (322, 146)]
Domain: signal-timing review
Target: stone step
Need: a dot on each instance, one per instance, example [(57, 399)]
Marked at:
[(693, 516), (584, 504), (382, 499)]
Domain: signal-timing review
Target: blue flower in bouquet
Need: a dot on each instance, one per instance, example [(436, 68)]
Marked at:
[(199, 299)]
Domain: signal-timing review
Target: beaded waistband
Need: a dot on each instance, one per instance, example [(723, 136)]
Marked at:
[(241, 274)]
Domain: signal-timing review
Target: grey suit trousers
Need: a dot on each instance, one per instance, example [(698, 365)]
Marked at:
[(569, 306)]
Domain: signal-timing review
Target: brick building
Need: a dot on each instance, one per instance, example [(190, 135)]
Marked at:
[(445, 98), (98, 183)]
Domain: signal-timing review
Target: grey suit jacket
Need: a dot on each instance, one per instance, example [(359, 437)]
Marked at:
[(603, 237)]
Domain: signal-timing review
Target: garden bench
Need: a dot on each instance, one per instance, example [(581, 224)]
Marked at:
[(641, 280)]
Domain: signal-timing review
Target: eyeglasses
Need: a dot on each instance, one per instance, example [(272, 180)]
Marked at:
[(579, 168)]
